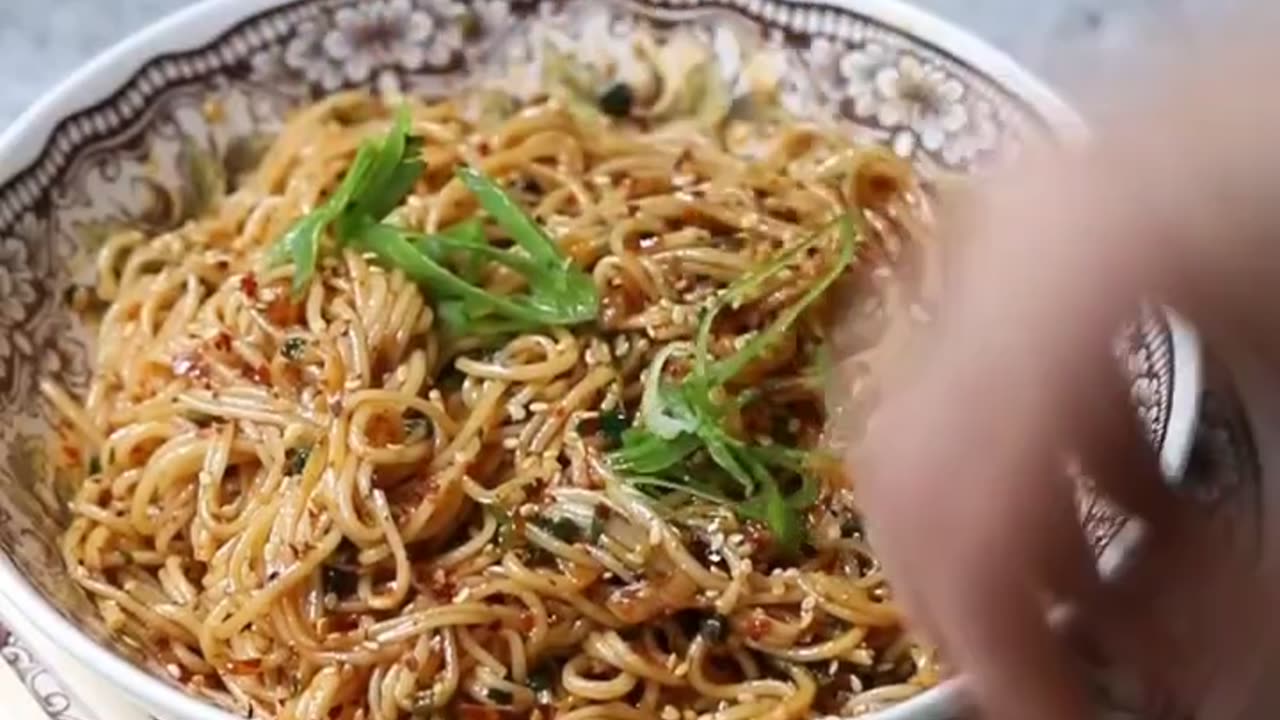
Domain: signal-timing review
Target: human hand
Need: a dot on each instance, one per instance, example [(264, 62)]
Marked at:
[(976, 524)]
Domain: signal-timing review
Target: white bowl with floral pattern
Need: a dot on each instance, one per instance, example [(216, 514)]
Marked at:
[(137, 135)]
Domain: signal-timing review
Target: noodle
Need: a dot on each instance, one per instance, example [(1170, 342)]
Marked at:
[(331, 504)]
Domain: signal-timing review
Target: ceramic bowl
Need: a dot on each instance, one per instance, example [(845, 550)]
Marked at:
[(133, 137)]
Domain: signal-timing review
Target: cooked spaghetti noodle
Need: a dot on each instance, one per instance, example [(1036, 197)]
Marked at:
[(324, 501)]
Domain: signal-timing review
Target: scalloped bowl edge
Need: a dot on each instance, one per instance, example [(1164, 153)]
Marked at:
[(26, 140)]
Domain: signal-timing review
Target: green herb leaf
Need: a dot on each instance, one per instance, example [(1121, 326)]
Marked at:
[(377, 181), (721, 448), (807, 495), (559, 288), (686, 486), (397, 170), (785, 523), (663, 411), (643, 453), (302, 241), (523, 230), (381, 176), (726, 369), (677, 421), (396, 248), (506, 527)]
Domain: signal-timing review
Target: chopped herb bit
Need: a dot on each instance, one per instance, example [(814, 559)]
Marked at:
[(530, 185), (339, 582), (506, 530), (562, 528), (714, 629), (296, 460), (293, 348), (612, 425), (598, 518), (424, 708), (417, 426), (542, 679), (450, 379), (95, 465), (202, 419), (500, 696), (346, 555), (537, 557), (851, 527), (469, 23), (617, 99)]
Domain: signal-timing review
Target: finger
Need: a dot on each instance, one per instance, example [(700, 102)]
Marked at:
[(994, 629), (1188, 615), (1066, 564), (979, 512)]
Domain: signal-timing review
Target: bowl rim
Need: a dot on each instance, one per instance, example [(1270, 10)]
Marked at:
[(28, 138)]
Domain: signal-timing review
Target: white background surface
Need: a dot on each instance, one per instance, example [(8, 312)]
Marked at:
[(41, 41)]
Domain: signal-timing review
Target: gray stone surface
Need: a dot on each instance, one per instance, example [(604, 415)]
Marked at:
[(41, 41)]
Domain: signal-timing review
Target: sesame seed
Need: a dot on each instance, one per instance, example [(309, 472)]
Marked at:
[(670, 713)]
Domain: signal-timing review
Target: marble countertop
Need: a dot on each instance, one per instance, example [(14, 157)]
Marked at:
[(41, 41)]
